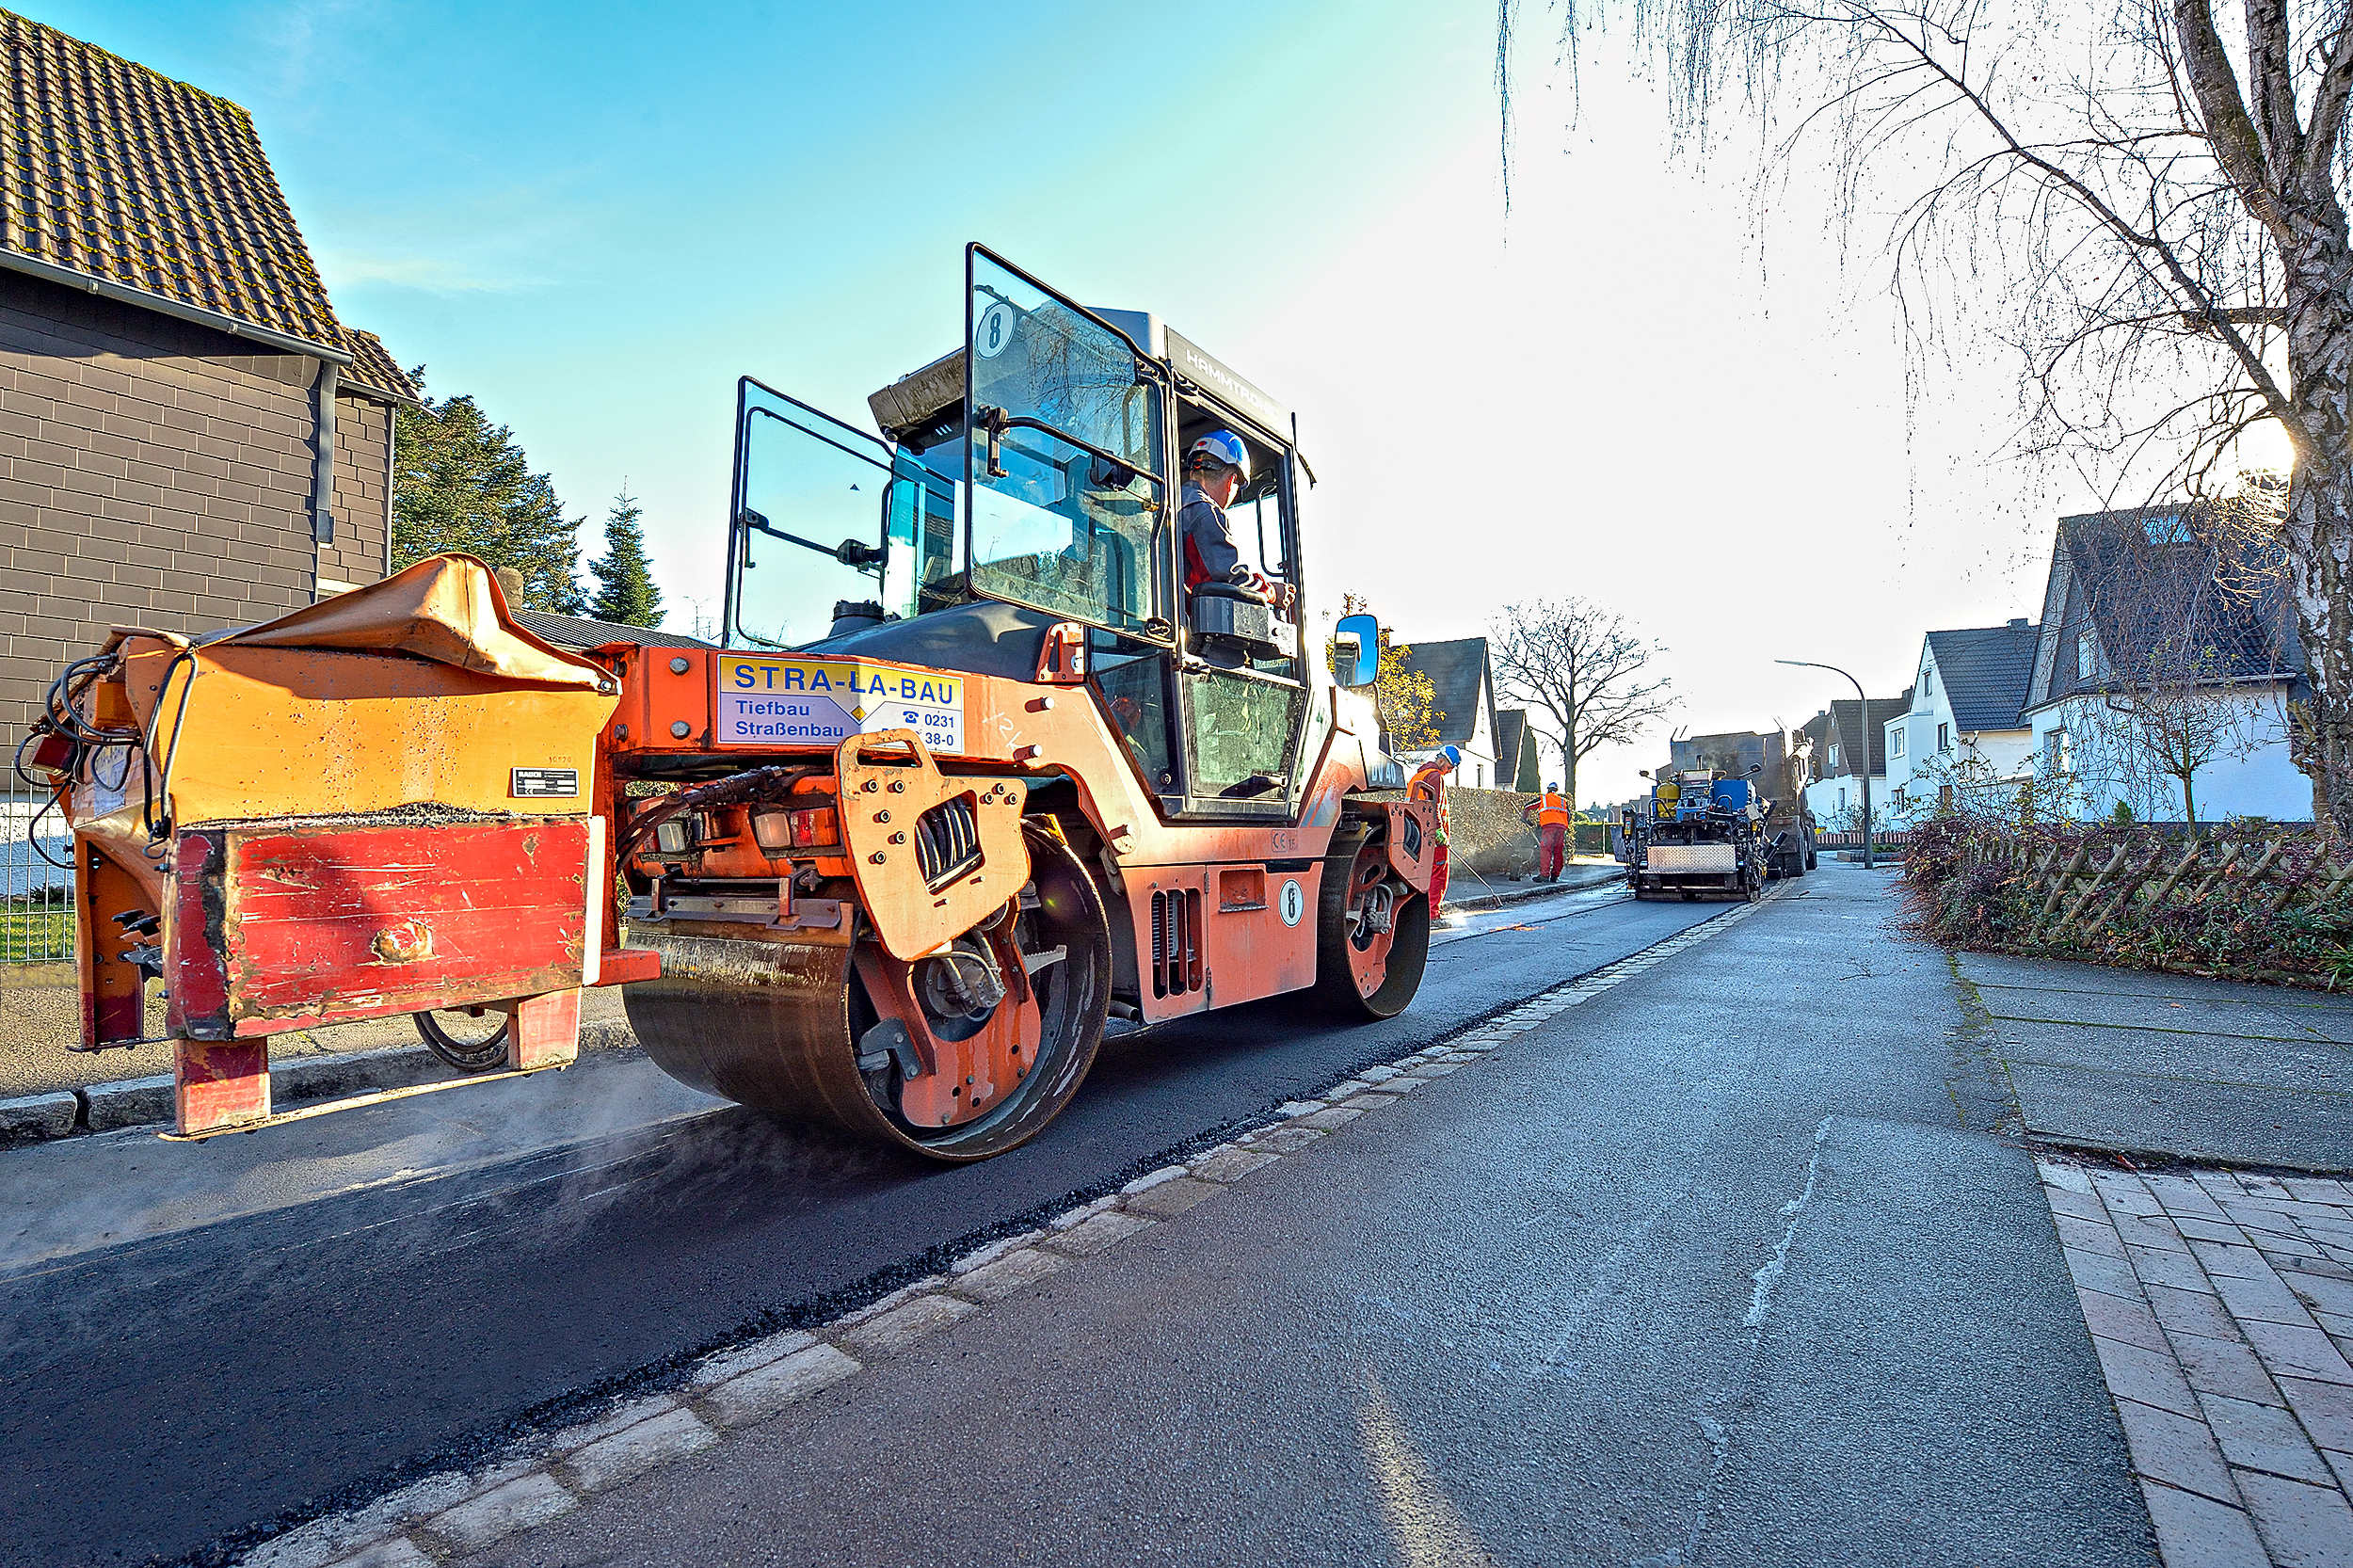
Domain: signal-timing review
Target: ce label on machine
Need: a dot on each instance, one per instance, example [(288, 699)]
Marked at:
[(766, 700)]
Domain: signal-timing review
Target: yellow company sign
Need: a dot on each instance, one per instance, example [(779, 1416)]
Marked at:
[(782, 700)]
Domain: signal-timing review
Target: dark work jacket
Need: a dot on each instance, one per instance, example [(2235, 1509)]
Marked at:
[(1200, 524)]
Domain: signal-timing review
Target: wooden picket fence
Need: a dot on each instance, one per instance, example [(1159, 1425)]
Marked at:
[(2087, 887)]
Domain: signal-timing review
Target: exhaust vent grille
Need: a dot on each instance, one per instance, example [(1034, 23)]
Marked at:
[(1176, 942)]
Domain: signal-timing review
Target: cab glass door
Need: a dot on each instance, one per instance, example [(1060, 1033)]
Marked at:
[(1065, 464), (813, 499)]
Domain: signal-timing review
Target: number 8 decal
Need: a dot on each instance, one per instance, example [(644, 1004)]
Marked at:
[(1293, 903)]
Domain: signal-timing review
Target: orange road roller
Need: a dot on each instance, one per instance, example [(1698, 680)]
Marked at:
[(986, 756)]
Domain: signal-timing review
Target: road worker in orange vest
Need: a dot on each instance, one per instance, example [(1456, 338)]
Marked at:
[(1428, 783), (1550, 813)]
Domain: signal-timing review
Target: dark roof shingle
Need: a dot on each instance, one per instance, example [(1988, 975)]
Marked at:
[(1847, 713), (1985, 670), (1456, 669), (2155, 583), (373, 369), (576, 631), (110, 169)]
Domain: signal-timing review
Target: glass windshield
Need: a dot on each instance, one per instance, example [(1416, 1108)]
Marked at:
[(1065, 497), (1057, 533), (1037, 357), (811, 495), (925, 569)]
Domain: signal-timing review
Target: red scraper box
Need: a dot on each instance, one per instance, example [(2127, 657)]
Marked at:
[(290, 925)]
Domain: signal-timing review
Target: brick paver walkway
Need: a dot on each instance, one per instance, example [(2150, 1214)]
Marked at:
[(2221, 1307)]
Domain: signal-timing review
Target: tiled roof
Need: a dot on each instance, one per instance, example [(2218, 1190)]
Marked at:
[(574, 632), (2149, 579), (110, 171), (1985, 670), (373, 369), (1456, 669), (1847, 714)]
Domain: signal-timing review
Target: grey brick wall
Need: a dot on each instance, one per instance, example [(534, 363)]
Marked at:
[(157, 473), (363, 426)]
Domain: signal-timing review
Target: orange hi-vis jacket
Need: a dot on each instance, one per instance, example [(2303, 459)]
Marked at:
[(1553, 810)]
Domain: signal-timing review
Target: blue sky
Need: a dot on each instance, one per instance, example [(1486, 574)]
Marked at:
[(594, 216)]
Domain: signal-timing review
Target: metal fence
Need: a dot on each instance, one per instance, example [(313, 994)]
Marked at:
[(36, 897)]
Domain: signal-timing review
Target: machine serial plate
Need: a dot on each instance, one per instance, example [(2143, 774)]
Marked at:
[(783, 700), (544, 782)]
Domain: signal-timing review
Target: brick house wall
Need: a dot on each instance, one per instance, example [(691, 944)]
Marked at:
[(158, 473), (364, 432)]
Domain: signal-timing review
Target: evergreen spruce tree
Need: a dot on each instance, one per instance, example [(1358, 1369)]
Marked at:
[(626, 594), (460, 483)]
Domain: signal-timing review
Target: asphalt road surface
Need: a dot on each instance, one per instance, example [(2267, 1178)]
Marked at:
[(301, 1320), (1730, 1264)]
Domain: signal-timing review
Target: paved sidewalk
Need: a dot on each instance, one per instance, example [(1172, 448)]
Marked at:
[(2221, 1307), (2212, 1071)]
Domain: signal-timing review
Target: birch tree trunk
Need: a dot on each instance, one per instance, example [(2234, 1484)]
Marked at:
[(2283, 166), (2319, 523)]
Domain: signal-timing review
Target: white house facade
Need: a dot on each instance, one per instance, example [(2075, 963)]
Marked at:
[(1840, 736), (2123, 584), (1963, 729)]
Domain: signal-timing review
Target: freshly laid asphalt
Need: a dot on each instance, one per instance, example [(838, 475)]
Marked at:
[(1733, 1264), (304, 1318)]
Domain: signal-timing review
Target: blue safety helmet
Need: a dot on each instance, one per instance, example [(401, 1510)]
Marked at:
[(1453, 754), (1226, 447)]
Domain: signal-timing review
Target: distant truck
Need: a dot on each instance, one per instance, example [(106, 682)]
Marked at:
[(1709, 825)]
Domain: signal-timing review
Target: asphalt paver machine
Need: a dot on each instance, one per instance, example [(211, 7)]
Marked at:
[(971, 770), (1699, 832)]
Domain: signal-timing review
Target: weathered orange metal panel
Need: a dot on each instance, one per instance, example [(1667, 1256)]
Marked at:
[(322, 923), (545, 1031), (297, 732), (889, 788)]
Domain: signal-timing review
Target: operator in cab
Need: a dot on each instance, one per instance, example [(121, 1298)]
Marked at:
[(1216, 468)]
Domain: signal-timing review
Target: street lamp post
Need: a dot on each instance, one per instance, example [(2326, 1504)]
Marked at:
[(1862, 705)]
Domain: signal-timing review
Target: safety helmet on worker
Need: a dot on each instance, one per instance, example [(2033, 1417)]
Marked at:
[(1222, 447), (1552, 786)]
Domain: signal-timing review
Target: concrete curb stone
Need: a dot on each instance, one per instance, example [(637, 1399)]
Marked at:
[(526, 1501), (30, 1118), (760, 1394), (634, 1451), (130, 1103), (1015, 1272), (904, 1325)]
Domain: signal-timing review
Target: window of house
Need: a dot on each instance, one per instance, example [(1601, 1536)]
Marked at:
[(2056, 756), (2166, 528), (1842, 799), (1944, 737), (1834, 755), (1896, 741), (2088, 664), (1927, 681)]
